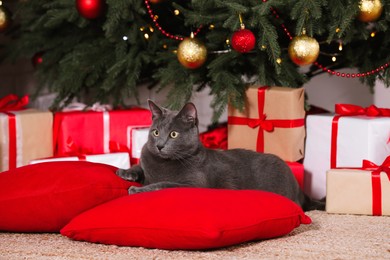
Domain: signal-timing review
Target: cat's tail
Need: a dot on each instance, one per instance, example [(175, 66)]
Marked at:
[(312, 204)]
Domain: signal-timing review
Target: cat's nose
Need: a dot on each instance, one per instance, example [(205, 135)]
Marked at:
[(160, 147)]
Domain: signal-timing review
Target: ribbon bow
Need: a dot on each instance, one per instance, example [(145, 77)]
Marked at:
[(377, 169), (75, 150), (13, 102), (354, 110), (215, 139), (376, 182), (262, 122)]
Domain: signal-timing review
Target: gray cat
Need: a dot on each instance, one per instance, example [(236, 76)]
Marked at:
[(174, 157)]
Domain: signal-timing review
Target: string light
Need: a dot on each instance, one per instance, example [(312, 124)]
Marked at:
[(158, 26)]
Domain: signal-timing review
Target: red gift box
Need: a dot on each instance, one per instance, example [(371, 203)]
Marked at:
[(298, 172), (92, 132)]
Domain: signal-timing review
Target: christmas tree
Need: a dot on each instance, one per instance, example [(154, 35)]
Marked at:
[(103, 50)]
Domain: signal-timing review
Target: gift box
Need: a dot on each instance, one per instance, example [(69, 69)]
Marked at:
[(271, 122), (343, 139), (25, 135), (298, 172), (364, 191), (96, 132), (137, 137), (119, 160)]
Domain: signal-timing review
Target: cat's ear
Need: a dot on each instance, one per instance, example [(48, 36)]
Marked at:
[(189, 114), (155, 109)]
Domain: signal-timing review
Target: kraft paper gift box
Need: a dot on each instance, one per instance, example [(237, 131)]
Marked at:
[(359, 191), (343, 140), (119, 160), (96, 132), (272, 122), (25, 135)]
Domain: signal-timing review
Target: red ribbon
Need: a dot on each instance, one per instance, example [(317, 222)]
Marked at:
[(12, 103), (215, 139), (11, 140), (350, 110), (376, 183), (262, 123), (116, 147), (75, 150), (354, 110)]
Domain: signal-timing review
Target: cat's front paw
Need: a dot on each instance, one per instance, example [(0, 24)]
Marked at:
[(134, 190), (126, 174)]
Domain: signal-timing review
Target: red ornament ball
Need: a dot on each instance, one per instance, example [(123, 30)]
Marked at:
[(90, 9), (243, 40), (37, 59)]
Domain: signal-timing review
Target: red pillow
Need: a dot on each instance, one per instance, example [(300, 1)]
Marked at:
[(44, 197), (188, 218)]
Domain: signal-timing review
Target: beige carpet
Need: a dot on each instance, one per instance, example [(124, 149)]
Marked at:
[(328, 237)]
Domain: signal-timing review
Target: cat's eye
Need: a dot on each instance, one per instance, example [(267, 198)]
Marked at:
[(174, 134), (155, 132)]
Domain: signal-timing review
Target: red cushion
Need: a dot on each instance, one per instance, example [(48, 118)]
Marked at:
[(44, 197), (188, 218)]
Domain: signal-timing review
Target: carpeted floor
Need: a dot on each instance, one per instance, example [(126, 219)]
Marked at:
[(328, 237)]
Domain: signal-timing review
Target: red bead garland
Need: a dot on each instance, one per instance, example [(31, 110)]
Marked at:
[(353, 75), (167, 34), (332, 72)]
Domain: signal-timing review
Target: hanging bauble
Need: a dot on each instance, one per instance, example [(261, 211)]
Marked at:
[(37, 59), (156, 1), (243, 40), (303, 50), (370, 10), (191, 53), (5, 18), (90, 9)]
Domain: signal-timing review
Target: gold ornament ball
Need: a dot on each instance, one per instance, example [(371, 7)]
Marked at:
[(303, 50), (370, 10), (5, 19), (191, 53)]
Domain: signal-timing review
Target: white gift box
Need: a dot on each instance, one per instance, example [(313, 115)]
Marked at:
[(358, 138), (137, 137), (119, 160)]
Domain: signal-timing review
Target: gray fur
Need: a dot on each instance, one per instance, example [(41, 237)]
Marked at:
[(184, 162)]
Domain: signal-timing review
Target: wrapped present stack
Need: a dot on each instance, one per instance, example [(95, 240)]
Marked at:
[(266, 126), (96, 134), (101, 134), (26, 133), (336, 145)]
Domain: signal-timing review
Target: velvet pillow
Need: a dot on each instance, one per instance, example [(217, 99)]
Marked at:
[(44, 197), (188, 218)]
